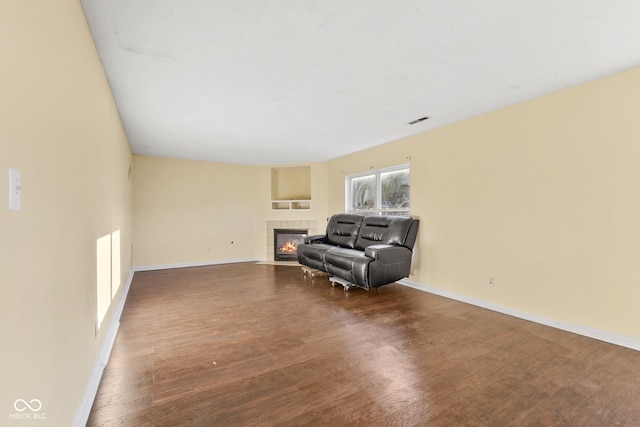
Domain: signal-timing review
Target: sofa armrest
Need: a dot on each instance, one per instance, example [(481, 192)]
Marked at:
[(317, 238), (388, 254), (389, 263)]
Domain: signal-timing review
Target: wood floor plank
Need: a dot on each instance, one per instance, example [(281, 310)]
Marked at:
[(255, 344)]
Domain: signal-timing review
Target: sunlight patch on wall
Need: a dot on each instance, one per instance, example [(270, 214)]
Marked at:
[(108, 273), (103, 282), (116, 275)]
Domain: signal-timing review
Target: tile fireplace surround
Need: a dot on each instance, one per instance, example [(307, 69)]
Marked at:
[(311, 225)]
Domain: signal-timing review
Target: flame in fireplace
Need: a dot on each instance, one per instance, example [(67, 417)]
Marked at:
[(288, 248)]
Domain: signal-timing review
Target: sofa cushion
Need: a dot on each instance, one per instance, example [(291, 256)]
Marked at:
[(312, 255), (344, 257), (342, 229), (313, 251), (349, 264), (389, 230)]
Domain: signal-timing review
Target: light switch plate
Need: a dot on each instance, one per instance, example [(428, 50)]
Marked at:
[(15, 189)]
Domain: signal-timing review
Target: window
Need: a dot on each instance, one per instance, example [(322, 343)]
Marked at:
[(379, 192)]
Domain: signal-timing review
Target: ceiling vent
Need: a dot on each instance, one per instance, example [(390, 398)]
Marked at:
[(421, 119)]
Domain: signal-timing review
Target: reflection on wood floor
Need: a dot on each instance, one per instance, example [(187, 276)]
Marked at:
[(259, 345)]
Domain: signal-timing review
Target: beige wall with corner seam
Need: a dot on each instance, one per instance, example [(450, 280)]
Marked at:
[(543, 196), (192, 212)]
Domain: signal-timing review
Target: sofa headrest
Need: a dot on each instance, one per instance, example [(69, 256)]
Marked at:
[(389, 230), (342, 229)]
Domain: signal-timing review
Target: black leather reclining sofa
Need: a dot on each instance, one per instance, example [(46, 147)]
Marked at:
[(365, 251)]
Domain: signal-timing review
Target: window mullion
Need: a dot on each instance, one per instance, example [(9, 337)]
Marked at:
[(378, 192)]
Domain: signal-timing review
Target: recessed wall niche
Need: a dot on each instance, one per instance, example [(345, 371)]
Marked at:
[(291, 188)]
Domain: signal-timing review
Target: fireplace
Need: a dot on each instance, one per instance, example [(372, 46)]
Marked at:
[(285, 243)]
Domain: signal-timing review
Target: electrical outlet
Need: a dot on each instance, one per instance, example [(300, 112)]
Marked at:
[(491, 281)]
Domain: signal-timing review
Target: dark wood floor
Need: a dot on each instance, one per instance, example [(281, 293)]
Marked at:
[(259, 345)]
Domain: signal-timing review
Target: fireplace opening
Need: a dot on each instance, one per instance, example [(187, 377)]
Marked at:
[(285, 243)]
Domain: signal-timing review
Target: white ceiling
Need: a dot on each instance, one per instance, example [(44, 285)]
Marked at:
[(288, 81)]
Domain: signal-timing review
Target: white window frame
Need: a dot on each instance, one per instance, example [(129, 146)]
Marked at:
[(378, 209)]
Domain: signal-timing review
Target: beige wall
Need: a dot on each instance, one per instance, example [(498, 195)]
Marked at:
[(189, 212), (543, 196), (59, 126), (192, 212)]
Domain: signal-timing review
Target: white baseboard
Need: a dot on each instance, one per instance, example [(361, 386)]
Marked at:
[(191, 264), (103, 358), (606, 336)]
